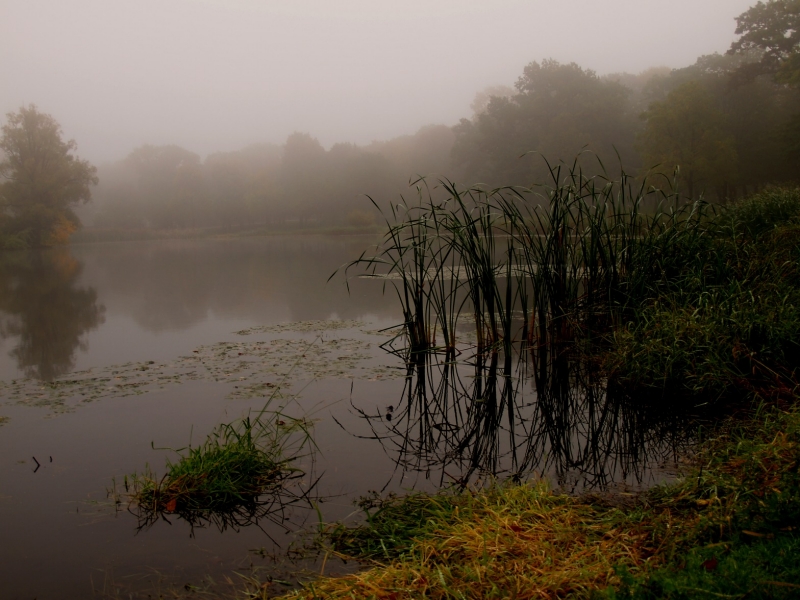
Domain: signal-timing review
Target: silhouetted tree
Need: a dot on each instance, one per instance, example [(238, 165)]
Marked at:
[(773, 29)]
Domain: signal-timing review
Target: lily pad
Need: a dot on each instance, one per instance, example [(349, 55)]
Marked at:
[(255, 368), (302, 327)]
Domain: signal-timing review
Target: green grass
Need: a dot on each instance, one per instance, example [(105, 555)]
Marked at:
[(726, 324), (236, 465), (738, 517), (392, 523)]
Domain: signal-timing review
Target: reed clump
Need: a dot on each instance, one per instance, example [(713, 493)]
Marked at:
[(666, 298), (234, 467), (517, 264)]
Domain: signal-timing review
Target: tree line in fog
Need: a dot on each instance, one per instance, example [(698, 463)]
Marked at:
[(728, 137), (299, 183), (721, 128)]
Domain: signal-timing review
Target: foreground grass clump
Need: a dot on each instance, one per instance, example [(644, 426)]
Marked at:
[(729, 528), (237, 463)]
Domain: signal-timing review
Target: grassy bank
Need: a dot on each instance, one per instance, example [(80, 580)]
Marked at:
[(727, 528), (723, 321), (698, 307)]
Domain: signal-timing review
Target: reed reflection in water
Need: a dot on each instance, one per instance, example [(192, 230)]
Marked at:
[(494, 416), (287, 507)]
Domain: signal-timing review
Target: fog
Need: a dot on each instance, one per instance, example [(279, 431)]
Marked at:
[(217, 75)]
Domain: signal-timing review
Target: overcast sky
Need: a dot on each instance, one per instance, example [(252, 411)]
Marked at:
[(220, 74)]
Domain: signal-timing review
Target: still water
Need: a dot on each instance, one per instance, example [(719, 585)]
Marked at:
[(111, 353)]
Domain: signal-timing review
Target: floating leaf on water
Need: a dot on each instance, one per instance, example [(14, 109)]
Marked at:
[(257, 366), (302, 327)]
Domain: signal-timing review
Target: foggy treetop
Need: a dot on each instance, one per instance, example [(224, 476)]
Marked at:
[(214, 75)]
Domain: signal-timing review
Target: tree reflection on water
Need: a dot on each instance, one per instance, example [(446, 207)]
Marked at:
[(44, 305)]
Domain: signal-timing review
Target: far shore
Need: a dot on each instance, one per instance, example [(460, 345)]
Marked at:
[(104, 235)]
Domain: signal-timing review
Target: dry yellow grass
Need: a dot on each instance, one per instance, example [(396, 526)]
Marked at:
[(510, 542)]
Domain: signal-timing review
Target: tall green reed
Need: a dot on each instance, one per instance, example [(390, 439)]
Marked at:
[(545, 265)]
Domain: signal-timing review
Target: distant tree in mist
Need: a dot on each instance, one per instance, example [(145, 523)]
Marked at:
[(728, 136), (167, 187), (686, 129), (638, 85), (41, 181), (171, 180), (753, 116), (302, 176), (558, 110), (481, 101), (731, 123), (298, 184), (241, 186), (424, 153), (354, 173)]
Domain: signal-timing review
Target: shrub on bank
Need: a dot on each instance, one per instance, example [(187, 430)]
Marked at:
[(727, 323)]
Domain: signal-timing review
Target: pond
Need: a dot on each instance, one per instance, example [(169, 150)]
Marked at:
[(114, 353)]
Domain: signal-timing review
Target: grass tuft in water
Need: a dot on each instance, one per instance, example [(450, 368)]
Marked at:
[(235, 466)]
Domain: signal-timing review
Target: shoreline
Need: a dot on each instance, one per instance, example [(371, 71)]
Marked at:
[(103, 236), (715, 531)]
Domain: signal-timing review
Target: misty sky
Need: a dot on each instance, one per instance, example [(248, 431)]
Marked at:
[(220, 74)]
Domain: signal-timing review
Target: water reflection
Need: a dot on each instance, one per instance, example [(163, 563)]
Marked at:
[(171, 286), (492, 415), (279, 508), (44, 305)]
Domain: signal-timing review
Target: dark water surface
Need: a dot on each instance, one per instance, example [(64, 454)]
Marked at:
[(108, 349)]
